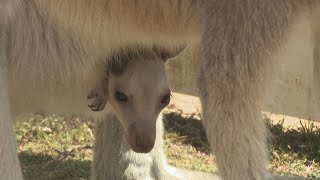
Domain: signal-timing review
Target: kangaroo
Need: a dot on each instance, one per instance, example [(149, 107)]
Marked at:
[(135, 90), (51, 54)]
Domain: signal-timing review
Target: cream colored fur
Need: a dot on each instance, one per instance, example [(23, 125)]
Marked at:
[(236, 64), (111, 148), (9, 162), (53, 50)]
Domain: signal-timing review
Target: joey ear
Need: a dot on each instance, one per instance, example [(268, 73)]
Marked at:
[(100, 93), (166, 54), (99, 103)]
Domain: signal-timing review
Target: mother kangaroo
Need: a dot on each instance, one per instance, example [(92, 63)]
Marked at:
[(51, 53)]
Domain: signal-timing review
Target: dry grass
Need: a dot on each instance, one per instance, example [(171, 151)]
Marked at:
[(54, 147)]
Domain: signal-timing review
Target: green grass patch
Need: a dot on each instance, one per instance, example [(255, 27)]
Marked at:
[(55, 147)]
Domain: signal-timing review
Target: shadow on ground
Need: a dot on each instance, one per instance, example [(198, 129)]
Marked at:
[(304, 141), (45, 167), (188, 130)]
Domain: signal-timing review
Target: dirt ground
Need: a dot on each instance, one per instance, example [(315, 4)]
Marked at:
[(57, 147), (190, 105)]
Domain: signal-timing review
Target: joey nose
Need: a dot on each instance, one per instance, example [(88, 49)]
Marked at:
[(141, 137)]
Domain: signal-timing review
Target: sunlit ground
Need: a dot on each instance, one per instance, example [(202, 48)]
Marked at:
[(54, 147)]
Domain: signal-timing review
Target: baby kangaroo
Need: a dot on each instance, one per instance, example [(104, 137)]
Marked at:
[(137, 89), (134, 91)]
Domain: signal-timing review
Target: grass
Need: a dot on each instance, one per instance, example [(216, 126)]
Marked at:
[(54, 147), (295, 151), (186, 143)]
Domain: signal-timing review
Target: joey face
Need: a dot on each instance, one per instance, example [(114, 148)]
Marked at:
[(137, 91), (137, 96)]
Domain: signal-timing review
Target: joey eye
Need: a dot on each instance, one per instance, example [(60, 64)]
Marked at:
[(166, 99), (121, 97)]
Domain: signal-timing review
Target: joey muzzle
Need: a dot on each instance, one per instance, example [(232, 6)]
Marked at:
[(141, 136)]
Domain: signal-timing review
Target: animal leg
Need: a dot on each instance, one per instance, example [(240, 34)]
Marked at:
[(9, 162)]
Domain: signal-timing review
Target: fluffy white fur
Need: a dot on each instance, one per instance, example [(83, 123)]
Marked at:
[(52, 52)]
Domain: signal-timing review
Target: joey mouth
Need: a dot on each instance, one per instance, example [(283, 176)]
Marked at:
[(141, 139)]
